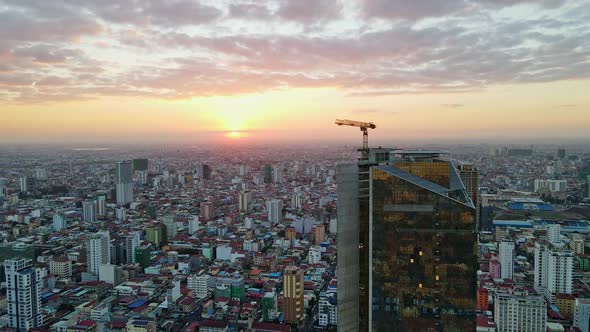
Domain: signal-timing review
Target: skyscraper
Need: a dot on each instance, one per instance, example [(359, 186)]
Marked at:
[(267, 173), (89, 211), (293, 294), (132, 241), (171, 227), (553, 269), (98, 251), (207, 210), (101, 204), (59, 222), (23, 297), (505, 251), (124, 184), (274, 208), (406, 244), (245, 200)]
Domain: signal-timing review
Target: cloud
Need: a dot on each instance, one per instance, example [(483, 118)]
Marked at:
[(453, 105), (184, 49), (415, 9), (309, 10), (249, 11)]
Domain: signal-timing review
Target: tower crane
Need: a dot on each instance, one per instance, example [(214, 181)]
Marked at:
[(364, 126)]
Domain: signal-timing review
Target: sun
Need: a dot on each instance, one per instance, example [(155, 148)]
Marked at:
[(233, 134)]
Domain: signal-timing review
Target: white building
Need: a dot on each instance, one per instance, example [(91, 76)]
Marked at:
[(223, 253), (124, 184), (89, 211), (577, 245), (582, 315), (553, 233), (553, 269), (98, 251), (60, 266), (315, 254), (23, 297), (277, 174), (274, 208), (519, 312), (60, 222), (505, 253), (132, 241), (328, 313), (199, 284), (550, 185), (193, 225), (121, 213), (101, 204)]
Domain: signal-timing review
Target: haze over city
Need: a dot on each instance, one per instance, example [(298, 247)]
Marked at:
[(282, 71)]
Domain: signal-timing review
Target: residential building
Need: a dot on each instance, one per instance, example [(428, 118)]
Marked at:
[(23, 297), (520, 312), (293, 294)]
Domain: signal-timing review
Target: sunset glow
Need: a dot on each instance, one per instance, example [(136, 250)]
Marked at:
[(80, 71)]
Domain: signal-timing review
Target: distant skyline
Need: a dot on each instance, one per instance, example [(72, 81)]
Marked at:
[(247, 72)]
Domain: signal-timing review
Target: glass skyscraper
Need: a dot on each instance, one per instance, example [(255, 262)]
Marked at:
[(416, 271)]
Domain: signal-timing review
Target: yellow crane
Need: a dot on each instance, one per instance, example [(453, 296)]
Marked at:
[(364, 126)]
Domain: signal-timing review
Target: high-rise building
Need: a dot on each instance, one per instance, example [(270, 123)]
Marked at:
[(124, 182), (193, 225), (23, 184), (315, 254), (293, 294), (327, 306), (470, 178), (171, 227), (140, 164), (207, 210), (245, 201), (582, 314), (60, 222), (319, 232), (553, 233), (407, 244), (561, 153), (203, 171), (199, 284), (267, 173), (505, 253), (60, 266), (155, 235), (23, 294), (132, 241), (143, 256), (519, 311), (98, 251), (297, 201), (277, 174), (274, 208), (101, 204), (553, 269), (89, 211), (40, 173), (269, 306), (121, 213)]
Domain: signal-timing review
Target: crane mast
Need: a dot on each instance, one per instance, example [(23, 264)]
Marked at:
[(364, 127)]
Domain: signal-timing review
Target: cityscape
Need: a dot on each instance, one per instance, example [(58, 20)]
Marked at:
[(294, 165), (486, 238)]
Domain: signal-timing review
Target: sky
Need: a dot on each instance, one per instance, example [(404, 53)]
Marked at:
[(264, 71)]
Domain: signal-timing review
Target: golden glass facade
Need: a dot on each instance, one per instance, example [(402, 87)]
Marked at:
[(423, 250)]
